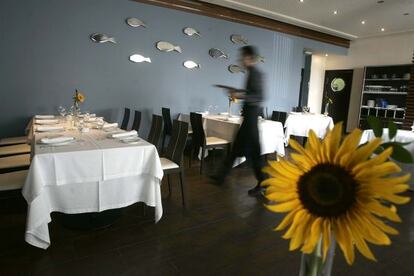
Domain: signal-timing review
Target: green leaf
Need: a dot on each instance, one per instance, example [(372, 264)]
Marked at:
[(376, 125), (399, 153), (392, 130)]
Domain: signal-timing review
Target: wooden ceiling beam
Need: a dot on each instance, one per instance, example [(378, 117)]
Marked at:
[(233, 15)]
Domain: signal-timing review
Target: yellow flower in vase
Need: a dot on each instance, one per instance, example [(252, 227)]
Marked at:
[(335, 187), (80, 97)]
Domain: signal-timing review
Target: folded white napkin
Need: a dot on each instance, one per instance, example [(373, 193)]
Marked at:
[(49, 128), (47, 121), (107, 125), (45, 116), (125, 134), (84, 115), (56, 140)]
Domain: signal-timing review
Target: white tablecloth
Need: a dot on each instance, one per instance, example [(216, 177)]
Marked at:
[(299, 124), (403, 136), (91, 175), (270, 132)]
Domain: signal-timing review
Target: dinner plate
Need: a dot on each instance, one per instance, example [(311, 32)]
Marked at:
[(57, 144), (51, 130)]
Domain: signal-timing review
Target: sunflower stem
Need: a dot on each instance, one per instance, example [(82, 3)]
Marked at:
[(313, 264)]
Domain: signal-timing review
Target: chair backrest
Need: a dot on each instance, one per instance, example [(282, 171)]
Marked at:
[(156, 129), (137, 120), (177, 142), (199, 137), (166, 116), (125, 120), (279, 116)]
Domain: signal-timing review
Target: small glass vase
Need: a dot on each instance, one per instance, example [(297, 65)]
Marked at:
[(326, 112), (229, 112), (313, 264), (76, 108)]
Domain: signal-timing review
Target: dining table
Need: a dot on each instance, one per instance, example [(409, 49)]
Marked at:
[(402, 136), (225, 127), (92, 172), (300, 123)]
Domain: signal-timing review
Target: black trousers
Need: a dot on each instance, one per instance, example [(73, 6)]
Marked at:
[(247, 144)]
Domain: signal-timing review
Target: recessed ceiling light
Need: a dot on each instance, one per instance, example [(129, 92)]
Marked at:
[(326, 55), (363, 22), (380, 1), (301, 1), (406, 13), (382, 29), (335, 12)]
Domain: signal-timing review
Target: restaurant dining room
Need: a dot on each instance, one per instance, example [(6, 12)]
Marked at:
[(207, 137)]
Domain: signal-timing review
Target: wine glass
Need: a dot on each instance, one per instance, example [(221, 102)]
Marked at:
[(62, 111)]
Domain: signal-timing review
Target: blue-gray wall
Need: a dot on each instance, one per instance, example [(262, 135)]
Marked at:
[(46, 53)]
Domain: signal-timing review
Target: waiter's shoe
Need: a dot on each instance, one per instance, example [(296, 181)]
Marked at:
[(256, 191)]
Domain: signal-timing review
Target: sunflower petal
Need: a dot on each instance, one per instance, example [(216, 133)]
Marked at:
[(284, 207)]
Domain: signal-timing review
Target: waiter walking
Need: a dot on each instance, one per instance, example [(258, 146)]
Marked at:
[(247, 140)]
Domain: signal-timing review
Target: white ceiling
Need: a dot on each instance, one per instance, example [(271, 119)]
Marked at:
[(319, 14)]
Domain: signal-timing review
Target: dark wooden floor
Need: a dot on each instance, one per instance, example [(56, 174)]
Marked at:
[(223, 231)]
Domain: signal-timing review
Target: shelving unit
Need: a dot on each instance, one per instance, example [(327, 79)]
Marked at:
[(385, 85)]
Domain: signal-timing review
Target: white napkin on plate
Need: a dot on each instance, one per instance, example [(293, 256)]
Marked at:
[(47, 122), (45, 116), (56, 140), (107, 125), (125, 134), (49, 128)]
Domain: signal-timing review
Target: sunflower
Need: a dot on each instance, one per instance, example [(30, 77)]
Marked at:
[(336, 189), (80, 97)]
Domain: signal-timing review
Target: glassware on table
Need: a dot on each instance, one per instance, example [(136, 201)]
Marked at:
[(62, 111)]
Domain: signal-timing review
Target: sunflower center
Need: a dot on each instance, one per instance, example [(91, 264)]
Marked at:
[(327, 190)]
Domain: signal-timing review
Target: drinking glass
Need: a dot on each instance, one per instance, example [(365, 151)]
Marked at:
[(62, 111)]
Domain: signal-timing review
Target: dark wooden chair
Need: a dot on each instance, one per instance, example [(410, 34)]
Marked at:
[(156, 129), (166, 116), (137, 121), (13, 141), (125, 120), (279, 116), (201, 141), (172, 163)]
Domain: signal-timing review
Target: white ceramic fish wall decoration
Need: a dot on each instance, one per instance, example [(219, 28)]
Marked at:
[(139, 58), (217, 53), (168, 47), (102, 38), (235, 69), (189, 64), (135, 22), (191, 32), (261, 59), (239, 39)]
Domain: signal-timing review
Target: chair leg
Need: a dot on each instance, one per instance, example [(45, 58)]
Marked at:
[(190, 157), (169, 185), (202, 159), (163, 141), (182, 186)]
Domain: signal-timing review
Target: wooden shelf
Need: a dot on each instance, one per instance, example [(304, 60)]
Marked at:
[(376, 88), (396, 79), (385, 93), (383, 108)]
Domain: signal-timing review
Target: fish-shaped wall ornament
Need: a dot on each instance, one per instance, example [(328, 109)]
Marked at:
[(189, 64), (261, 59), (191, 32), (239, 39), (168, 47), (135, 22), (236, 69), (217, 53), (139, 58), (102, 38)]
